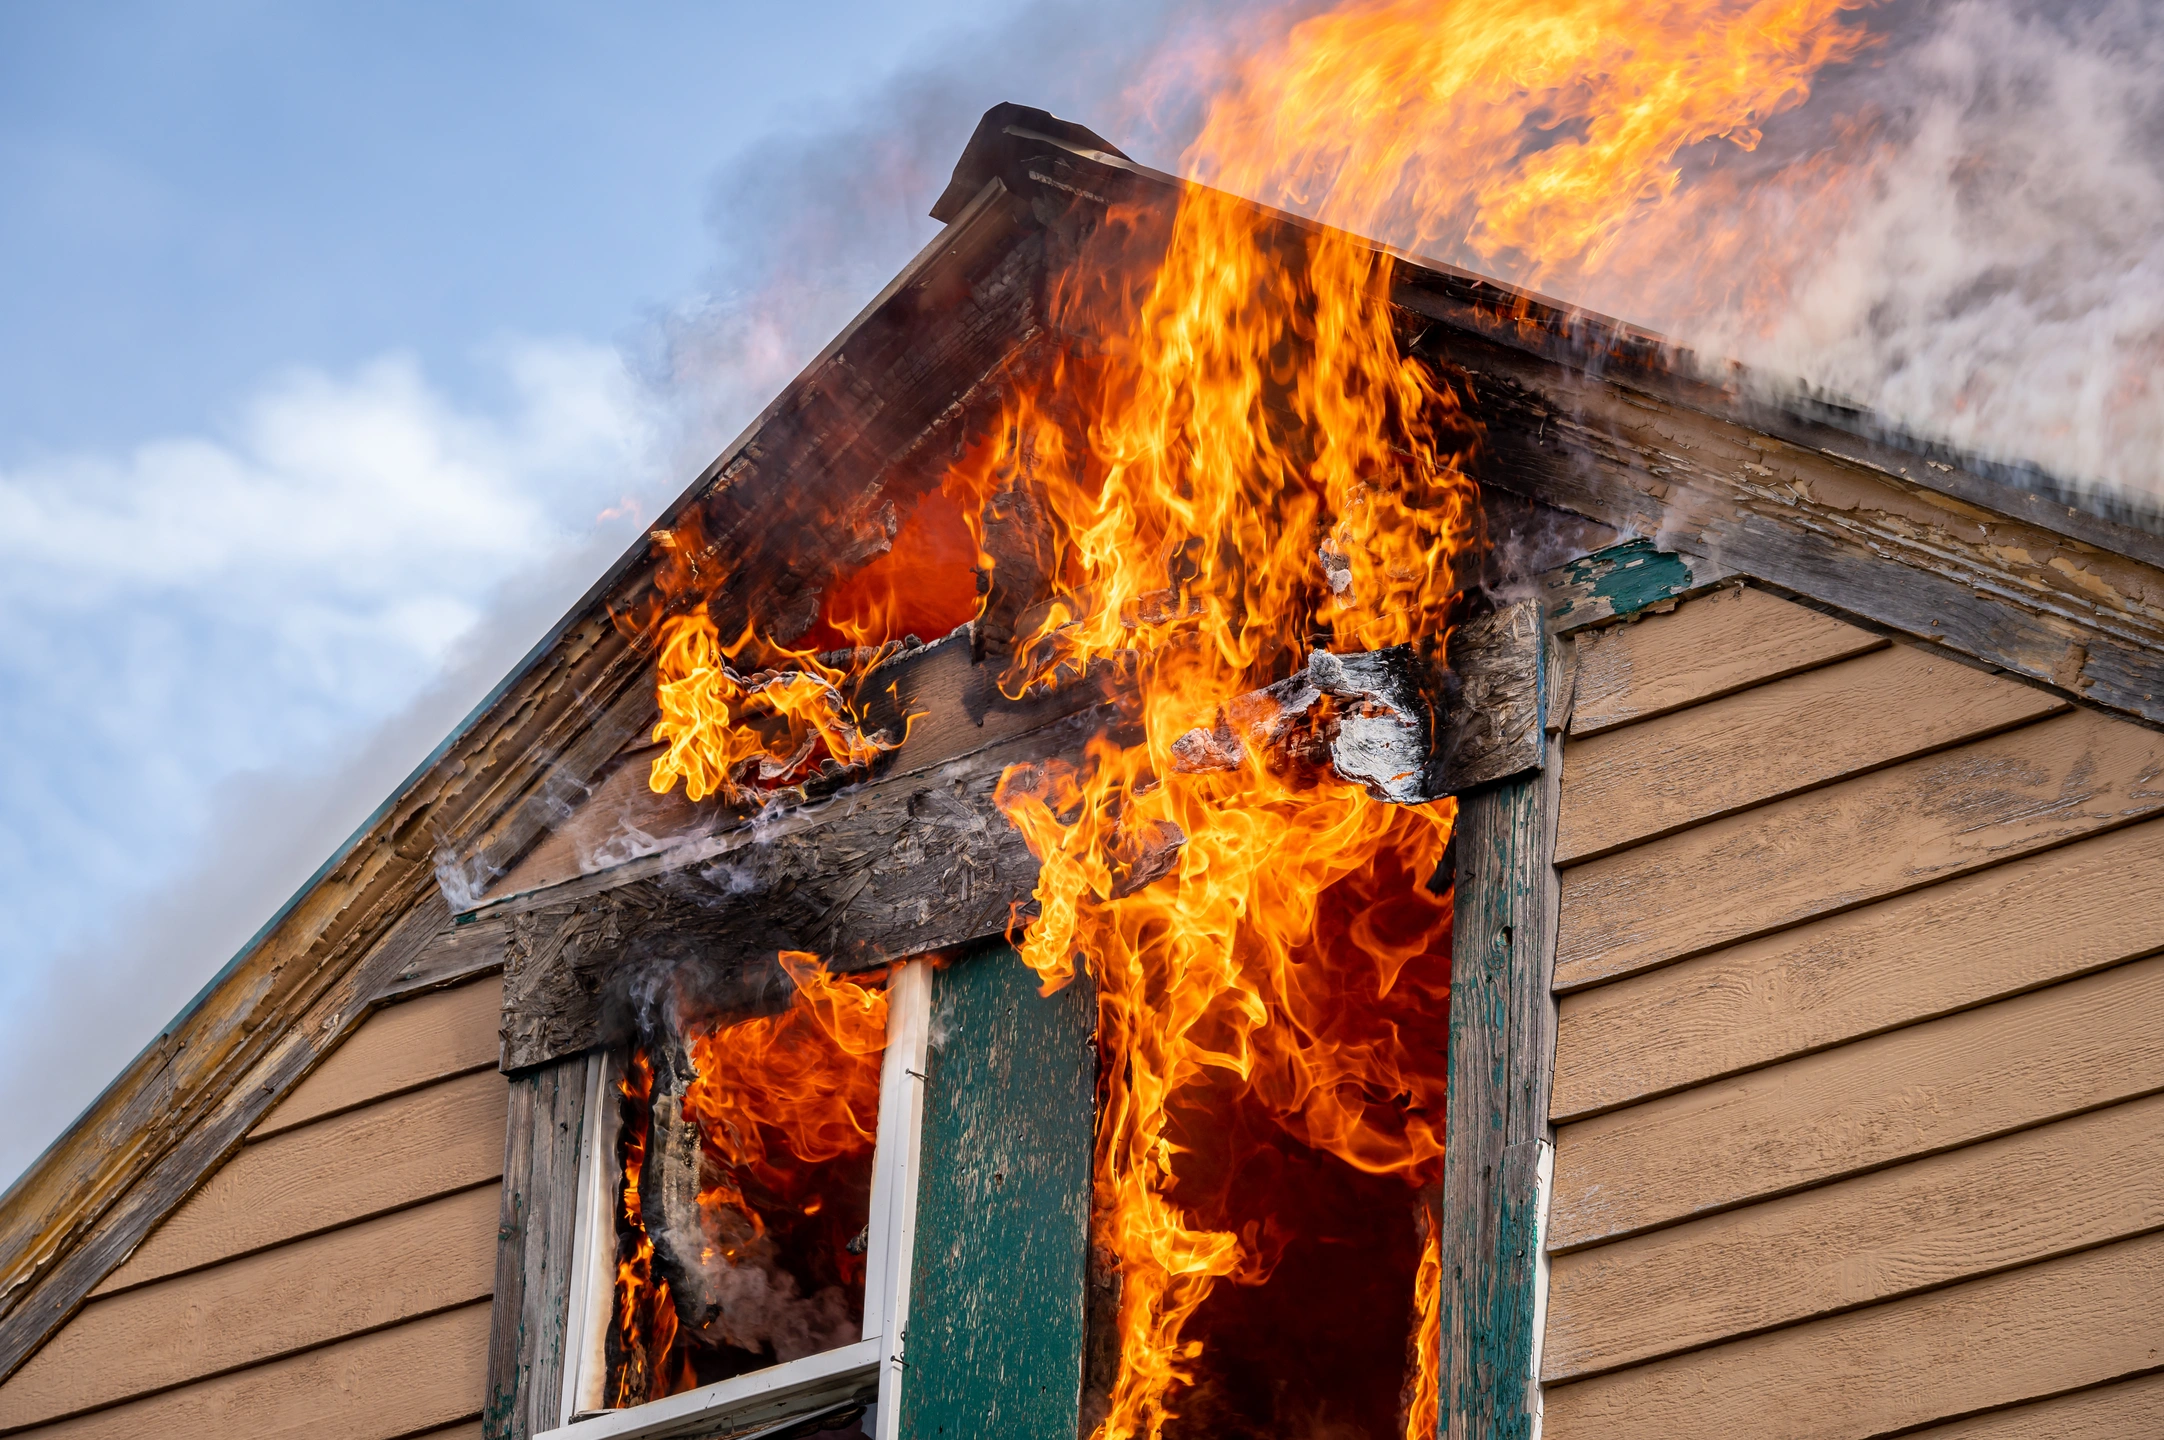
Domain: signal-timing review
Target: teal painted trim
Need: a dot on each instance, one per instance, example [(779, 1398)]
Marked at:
[(1623, 580), (998, 1282), (1501, 1053)]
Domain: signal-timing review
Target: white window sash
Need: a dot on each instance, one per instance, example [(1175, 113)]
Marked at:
[(797, 1387)]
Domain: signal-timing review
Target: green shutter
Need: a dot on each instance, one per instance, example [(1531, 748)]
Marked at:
[(995, 1331)]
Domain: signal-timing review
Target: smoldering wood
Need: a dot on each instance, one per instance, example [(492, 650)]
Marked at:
[(1495, 731), (529, 1334), (669, 1185), (918, 860), (1368, 718), (946, 704), (915, 863)]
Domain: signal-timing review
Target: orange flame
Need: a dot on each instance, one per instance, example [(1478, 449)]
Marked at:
[(1425, 1403), (1227, 515), (1535, 135), (645, 1320), (1261, 470), (775, 1100), (804, 1082), (732, 734), (743, 727)]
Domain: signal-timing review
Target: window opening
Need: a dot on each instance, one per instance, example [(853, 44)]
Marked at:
[(747, 1186)]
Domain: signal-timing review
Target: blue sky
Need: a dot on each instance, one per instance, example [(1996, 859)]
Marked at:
[(340, 347)]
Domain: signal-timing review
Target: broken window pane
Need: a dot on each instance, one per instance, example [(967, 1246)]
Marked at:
[(744, 1205)]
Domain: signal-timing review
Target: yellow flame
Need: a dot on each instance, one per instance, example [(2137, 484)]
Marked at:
[(1261, 469)]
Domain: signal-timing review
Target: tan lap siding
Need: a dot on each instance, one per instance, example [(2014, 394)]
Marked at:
[(352, 1236), (1860, 1062)]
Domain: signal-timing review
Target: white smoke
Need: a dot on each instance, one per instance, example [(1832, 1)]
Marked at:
[(1979, 254)]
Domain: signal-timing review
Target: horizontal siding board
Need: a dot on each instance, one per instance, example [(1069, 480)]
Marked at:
[(2124, 1411), (381, 1272), (2040, 1330), (2027, 1197), (402, 1381), (1646, 780), (2073, 1047), (470, 1430), (1924, 820), (382, 1157), (1930, 952), (1705, 648), (431, 1037)]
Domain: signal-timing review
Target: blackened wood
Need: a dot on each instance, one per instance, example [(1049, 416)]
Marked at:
[(529, 1327), (997, 1313), (914, 863), (1502, 1048), (669, 1189), (916, 860), (1494, 727), (1368, 717), (1826, 527)]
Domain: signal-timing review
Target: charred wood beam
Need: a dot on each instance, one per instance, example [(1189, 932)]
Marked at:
[(919, 859), (1828, 527), (1502, 1061), (914, 863)]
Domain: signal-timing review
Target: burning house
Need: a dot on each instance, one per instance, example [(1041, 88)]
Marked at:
[(1204, 829)]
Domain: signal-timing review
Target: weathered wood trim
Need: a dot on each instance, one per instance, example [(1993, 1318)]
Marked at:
[(1824, 525), (1502, 1055), (529, 1328), (1622, 580), (995, 1340), (1493, 728)]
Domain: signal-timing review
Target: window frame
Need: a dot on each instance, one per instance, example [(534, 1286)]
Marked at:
[(795, 1389)]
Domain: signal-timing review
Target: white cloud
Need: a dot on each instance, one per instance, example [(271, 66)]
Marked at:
[(206, 638)]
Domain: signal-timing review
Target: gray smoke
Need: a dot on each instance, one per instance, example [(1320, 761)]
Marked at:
[(1965, 232)]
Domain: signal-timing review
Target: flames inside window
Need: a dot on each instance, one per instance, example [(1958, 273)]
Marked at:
[(743, 1212)]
